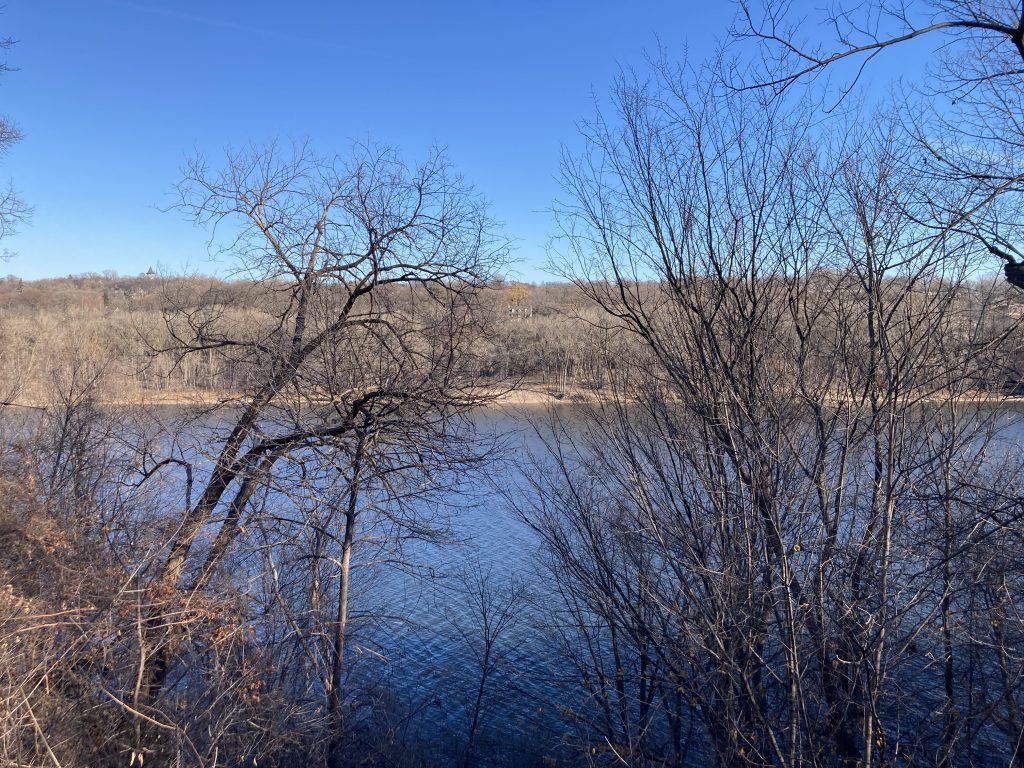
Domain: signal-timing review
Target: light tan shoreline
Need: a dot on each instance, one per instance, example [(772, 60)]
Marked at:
[(528, 395), (521, 396)]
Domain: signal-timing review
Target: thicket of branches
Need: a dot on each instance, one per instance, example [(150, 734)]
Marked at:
[(791, 537), (179, 581)]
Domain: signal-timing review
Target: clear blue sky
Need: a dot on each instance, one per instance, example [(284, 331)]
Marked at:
[(112, 95)]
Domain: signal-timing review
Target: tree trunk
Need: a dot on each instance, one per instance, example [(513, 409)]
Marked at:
[(336, 719)]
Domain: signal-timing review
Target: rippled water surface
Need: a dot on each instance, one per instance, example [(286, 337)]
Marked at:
[(432, 642), (417, 630)]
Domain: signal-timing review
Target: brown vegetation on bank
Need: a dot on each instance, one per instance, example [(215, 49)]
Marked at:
[(550, 342)]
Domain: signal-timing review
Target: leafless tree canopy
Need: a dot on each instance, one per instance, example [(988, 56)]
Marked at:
[(13, 211), (964, 112), (229, 531), (786, 539)]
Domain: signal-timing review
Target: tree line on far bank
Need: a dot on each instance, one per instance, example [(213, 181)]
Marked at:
[(550, 338)]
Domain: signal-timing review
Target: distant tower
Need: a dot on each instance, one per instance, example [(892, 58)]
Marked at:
[(151, 274)]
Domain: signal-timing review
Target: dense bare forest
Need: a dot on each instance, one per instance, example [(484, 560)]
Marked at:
[(767, 512), (549, 340)]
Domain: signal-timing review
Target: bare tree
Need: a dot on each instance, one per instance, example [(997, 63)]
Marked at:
[(370, 273), (965, 110), (737, 533)]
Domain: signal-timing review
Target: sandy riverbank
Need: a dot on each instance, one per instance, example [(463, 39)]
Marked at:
[(526, 395)]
